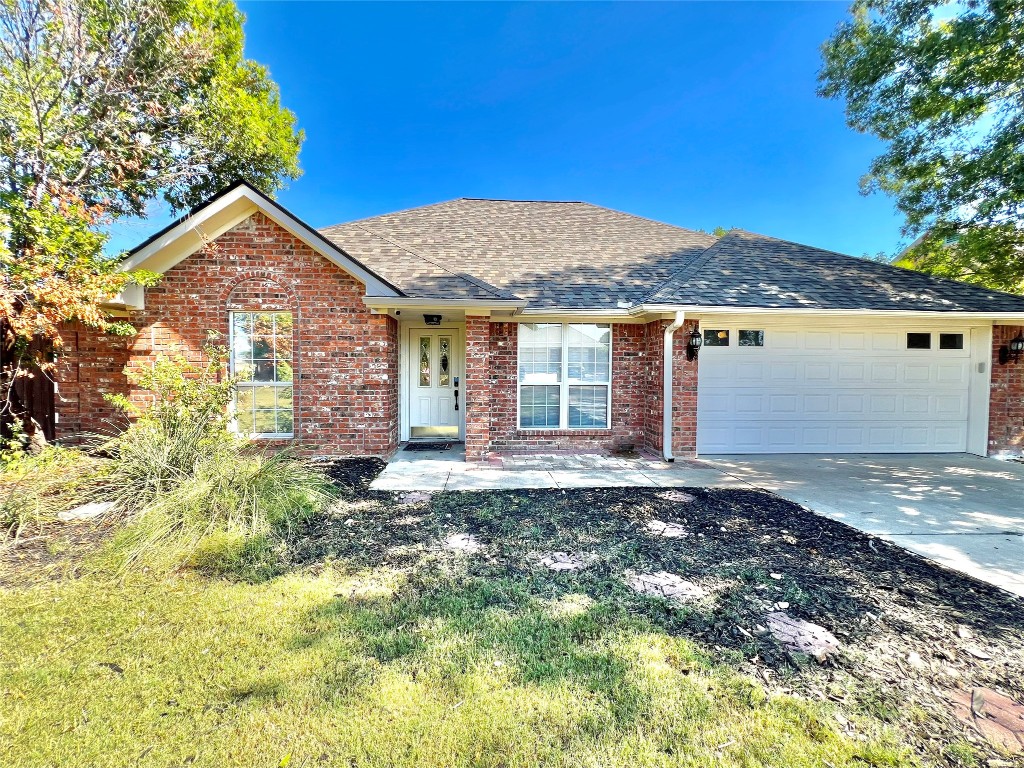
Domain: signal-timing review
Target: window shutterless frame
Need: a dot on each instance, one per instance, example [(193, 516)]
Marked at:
[(566, 386), (261, 344)]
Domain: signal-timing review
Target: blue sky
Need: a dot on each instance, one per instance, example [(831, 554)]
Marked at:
[(698, 114)]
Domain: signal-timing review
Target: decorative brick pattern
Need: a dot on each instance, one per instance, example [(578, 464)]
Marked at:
[(1006, 401), (346, 359)]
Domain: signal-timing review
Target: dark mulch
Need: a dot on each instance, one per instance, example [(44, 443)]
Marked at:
[(912, 632), (353, 474)]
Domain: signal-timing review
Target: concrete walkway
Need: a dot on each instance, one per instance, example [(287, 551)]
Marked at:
[(962, 511), (448, 471)]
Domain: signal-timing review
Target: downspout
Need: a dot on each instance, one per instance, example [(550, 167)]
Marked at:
[(666, 419)]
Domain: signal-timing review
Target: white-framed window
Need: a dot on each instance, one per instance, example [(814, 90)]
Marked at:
[(261, 351), (565, 376)]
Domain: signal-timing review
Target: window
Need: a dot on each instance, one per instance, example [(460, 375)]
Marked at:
[(716, 338), (564, 376), (951, 341), (919, 341), (261, 352), (751, 338)]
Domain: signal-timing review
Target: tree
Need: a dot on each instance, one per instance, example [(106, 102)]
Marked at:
[(943, 86), (106, 105)]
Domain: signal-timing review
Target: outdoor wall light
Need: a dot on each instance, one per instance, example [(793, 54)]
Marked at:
[(432, 319), (1012, 350), (693, 344)]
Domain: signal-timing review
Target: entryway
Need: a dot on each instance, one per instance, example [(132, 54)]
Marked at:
[(433, 406)]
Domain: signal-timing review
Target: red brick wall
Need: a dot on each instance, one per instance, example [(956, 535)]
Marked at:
[(491, 397), (477, 388), (653, 381), (1006, 403), (346, 359)]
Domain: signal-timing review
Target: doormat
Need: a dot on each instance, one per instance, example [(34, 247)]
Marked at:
[(428, 446)]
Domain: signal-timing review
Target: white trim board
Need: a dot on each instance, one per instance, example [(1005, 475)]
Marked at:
[(234, 206)]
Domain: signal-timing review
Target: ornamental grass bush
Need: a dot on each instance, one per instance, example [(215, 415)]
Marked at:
[(190, 491)]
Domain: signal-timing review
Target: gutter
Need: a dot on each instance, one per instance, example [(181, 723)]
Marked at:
[(666, 419)]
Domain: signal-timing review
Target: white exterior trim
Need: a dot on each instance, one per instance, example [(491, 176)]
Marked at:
[(216, 218), (938, 314), (980, 390)]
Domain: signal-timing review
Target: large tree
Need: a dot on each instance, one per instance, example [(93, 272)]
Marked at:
[(943, 85), (106, 105)]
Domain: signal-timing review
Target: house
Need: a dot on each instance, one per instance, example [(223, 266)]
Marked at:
[(518, 325)]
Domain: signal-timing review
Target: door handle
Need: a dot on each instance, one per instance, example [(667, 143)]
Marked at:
[(456, 393)]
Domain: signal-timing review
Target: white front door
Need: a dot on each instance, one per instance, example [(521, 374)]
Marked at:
[(435, 382)]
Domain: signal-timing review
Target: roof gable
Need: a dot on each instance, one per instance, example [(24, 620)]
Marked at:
[(183, 237)]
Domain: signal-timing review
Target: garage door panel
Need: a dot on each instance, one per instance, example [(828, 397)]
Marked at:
[(845, 390)]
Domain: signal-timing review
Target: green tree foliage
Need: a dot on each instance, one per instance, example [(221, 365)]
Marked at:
[(942, 85), (106, 105)]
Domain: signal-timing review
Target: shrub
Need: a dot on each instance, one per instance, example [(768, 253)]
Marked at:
[(193, 492)]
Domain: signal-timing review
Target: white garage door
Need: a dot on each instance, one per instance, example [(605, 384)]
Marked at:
[(843, 390)]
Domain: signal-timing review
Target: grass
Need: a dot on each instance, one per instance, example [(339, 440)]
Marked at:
[(379, 668), (379, 648)]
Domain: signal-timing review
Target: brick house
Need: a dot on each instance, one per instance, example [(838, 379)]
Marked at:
[(518, 325)]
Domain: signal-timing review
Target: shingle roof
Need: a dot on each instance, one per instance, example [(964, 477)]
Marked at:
[(580, 256), (564, 255), (744, 269)]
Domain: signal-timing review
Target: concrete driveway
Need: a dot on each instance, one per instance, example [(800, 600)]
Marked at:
[(962, 511)]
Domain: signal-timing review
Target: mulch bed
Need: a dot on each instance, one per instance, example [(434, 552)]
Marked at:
[(914, 634), (353, 474)]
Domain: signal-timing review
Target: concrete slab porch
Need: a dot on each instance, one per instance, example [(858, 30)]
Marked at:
[(449, 471)]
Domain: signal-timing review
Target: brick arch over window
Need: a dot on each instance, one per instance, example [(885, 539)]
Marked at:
[(259, 292)]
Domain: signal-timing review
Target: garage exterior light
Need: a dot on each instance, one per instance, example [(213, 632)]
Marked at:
[(1012, 350), (693, 344)]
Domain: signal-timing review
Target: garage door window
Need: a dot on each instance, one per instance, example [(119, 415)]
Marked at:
[(716, 338), (951, 341), (751, 338), (564, 376), (919, 341)]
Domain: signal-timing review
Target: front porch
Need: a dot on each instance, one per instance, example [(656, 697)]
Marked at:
[(448, 470)]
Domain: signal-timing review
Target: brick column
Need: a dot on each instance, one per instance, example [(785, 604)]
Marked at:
[(684, 394), (478, 388), (654, 335), (1006, 398)]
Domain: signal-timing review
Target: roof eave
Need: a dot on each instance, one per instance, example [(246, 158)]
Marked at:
[(224, 210), (991, 315)]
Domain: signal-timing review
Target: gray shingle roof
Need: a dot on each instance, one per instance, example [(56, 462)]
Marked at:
[(573, 255), (744, 269), (581, 256)]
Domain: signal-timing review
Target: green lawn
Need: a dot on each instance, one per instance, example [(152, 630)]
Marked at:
[(373, 646)]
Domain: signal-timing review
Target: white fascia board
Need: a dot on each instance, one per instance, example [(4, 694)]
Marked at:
[(189, 235), (410, 302), (693, 309)]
